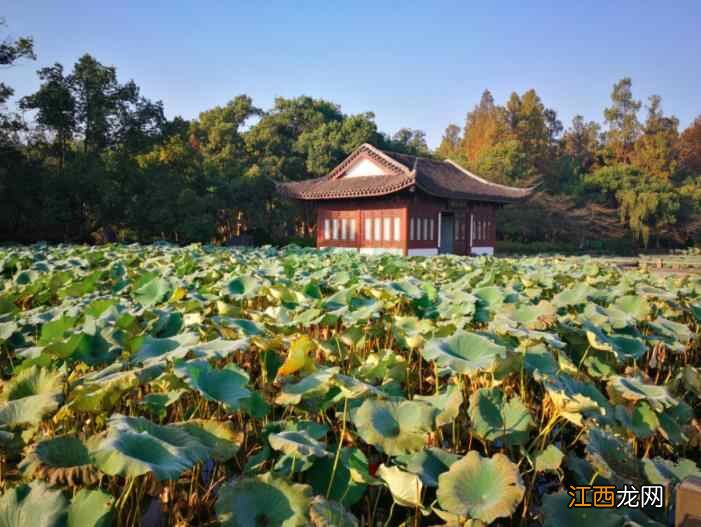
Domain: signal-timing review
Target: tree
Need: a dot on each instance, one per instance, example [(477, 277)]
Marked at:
[(655, 151), (484, 127), (109, 113), (450, 143), (408, 141), (646, 204), (56, 108), (690, 148), (622, 120), (581, 141), (11, 52)]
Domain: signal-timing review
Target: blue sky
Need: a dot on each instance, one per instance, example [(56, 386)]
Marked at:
[(414, 64)]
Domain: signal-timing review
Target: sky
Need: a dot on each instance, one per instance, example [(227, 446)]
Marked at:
[(415, 64)]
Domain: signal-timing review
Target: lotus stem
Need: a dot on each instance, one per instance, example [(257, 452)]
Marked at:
[(338, 449)]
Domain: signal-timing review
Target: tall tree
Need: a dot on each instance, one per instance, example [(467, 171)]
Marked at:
[(484, 127), (56, 108), (450, 143), (622, 120), (11, 52), (690, 148), (655, 151)]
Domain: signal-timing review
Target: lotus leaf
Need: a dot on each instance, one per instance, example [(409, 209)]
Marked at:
[(226, 385), (30, 395), (394, 427), (493, 417), (263, 500), (549, 459), (406, 488), (427, 464), (134, 446), (326, 513), (481, 488), (466, 353), (220, 438), (557, 513), (611, 457), (243, 287), (447, 402), (33, 505), (634, 389), (61, 459), (350, 479), (90, 508), (297, 444), (660, 471)]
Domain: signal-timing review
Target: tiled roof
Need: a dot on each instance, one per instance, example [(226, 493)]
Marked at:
[(443, 179)]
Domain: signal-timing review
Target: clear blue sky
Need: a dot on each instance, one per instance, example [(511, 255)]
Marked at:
[(417, 64)]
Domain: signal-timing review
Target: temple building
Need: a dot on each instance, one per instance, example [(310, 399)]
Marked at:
[(378, 201)]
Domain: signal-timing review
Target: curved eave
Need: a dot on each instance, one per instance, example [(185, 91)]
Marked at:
[(288, 190), (523, 194)]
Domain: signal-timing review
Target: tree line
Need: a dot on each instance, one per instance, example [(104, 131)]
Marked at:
[(91, 159)]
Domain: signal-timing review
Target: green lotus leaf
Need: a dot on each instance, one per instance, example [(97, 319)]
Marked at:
[(447, 402), (405, 487), (226, 385), (152, 292), (326, 513), (409, 287), (297, 444), (644, 421), (465, 353), (243, 287), (134, 446), (573, 296), (674, 331), (574, 399), (313, 385), (623, 346), (30, 395), (427, 464), (349, 481), (494, 418), (611, 457), (690, 378), (263, 500), (634, 305), (33, 505), (245, 327), (90, 508), (220, 438), (220, 348), (394, 427), (534, 316), (411, 330), (159, 349), (660, 471), (634, 389), (539, 362), (549, 459), (557, 513), (61, 459), (491, 296), (352, 388), (481, 488), (158, 403), (56, 330)]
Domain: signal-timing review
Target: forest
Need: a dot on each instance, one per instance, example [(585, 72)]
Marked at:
[(88, 158)]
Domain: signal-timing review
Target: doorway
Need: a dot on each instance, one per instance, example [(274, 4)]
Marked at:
[(447, 221)]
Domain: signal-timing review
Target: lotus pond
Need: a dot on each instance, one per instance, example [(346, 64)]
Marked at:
[(261, 387)]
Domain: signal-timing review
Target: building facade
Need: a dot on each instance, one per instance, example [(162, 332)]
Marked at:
[(378, 201)]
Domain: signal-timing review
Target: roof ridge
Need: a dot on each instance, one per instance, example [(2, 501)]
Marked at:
[(486, 181)]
